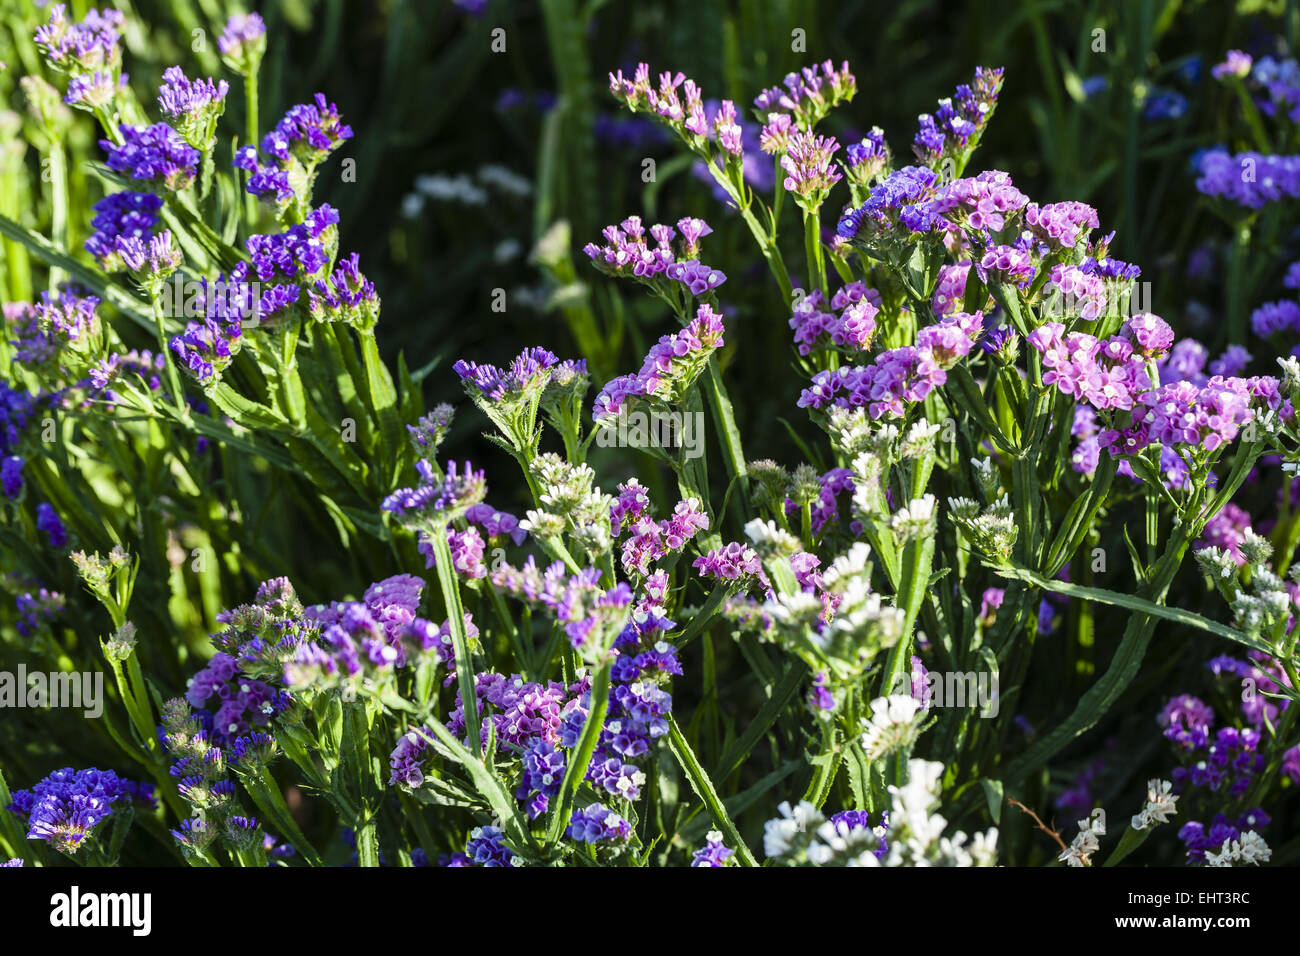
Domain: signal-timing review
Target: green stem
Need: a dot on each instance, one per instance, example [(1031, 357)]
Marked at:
[(459, 639), (703, 786)]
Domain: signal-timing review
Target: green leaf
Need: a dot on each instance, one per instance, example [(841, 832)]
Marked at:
[(1134, 603)]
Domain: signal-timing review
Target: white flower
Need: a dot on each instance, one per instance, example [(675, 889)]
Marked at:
[(893, 724), (785, 833), (769, 539), (1250, 848), (1085, 843), (1159, 806)]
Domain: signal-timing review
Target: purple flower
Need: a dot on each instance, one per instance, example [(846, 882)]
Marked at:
[(48, 521), (155, 155), (596, 824), (81, 47), (121, 215), (11, 475), (243, 41), (713, 853)]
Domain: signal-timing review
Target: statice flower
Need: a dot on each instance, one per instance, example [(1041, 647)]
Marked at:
[(713, 853), (207, 346), (984, 203), (898, 376), (902, 189), (670, 368), (1085, 843), (1272, 318), (1061, 225), (94, 91), (810, 173), (194, 106), (1271, 177), (850, 326), (1159, 806), (954, 129), (628, 253), (156, 155), (243, 42), (894, 724), (121, 215), (486, 847), (345, 296), (437, 497), (51, 525), (809, 94), (1249, 848), (75, 48), (1005, 264), (597, 824), (152, 261), (66, 807), (868, 159), (733, 563), (1235, 64)]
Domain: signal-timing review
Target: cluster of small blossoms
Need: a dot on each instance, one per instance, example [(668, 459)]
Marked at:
[(639, 704), (898, 377), (992, 530), (646, 540), (835, 622), (207, 346), (572, 503), (364, 640), (1273, 177), (1226, 842), (896, 200), (155, 155), (894, 724), (1228, 756), (201, 770), (735, 564), (807, 96), (670, 368), (598, 824), (1085, 843), (685, 113), (578, 601), (438, 498), (954, 129), (822, 497), (92, 45), (512, 396), (301, 141), (1109, 373), (194, 106), (714, 853), (1062, 225), (850, 324), (627, 253), (238, 702), (243, 42), (345, 295), (118, 216), (1159, 806), (984, 203), (809, 170), (65, 807), (868, 159), (261, 637), (36, 607), (803, 836), (1262, 708)]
